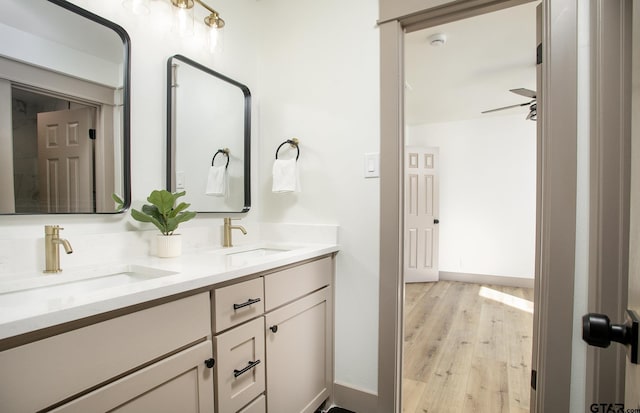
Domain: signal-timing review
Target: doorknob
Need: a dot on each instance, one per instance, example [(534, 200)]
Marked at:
[(598, 331), (436, 221)]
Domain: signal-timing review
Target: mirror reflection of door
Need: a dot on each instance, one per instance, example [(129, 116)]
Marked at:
[(58, 165), (65, 152)]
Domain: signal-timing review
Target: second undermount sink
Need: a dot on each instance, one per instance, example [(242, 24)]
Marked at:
[(78, 282), (245, 257)]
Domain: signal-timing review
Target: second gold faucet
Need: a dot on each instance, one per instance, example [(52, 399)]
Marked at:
[(52, 242), (227, 242)]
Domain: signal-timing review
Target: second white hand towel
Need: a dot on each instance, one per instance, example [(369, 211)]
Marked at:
[(285, 176), (216, 181)]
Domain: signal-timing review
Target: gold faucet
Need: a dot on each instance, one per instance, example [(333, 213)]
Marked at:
[(227, 232), (52, 242)]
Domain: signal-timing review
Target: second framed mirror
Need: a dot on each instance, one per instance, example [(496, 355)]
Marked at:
[(208, 137)]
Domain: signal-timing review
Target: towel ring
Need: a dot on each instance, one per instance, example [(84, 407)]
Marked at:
[(225, 152), (294, 142)]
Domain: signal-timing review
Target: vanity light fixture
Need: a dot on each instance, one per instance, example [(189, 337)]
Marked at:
[(213, 20)]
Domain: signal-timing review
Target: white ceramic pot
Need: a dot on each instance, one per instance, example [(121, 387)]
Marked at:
[(169, 246)]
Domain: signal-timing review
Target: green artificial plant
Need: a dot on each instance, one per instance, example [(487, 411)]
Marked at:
[(163, 211)]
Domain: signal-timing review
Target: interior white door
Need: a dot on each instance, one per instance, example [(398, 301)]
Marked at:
[(65, 159), (632, 371), (421, 214)]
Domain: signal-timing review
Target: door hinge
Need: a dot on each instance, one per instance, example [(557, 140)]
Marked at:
[(92, 134), (534, 379), (539, 54)]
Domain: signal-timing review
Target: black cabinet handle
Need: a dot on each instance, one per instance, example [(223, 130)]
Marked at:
[(210, 363), (251, 365), (274, 329), (247, 303)]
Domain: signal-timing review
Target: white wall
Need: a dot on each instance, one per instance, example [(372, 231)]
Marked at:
[(487, 193), (312, 68), (319, 82)]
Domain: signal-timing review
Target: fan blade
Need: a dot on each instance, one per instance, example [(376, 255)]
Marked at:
[(506, 107), (524, 92)]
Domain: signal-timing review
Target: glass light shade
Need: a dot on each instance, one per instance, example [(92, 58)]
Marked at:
[(215, 39), (140, 7), (183, 21)]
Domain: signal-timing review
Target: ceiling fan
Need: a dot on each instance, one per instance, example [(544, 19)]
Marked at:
[(533, 113)]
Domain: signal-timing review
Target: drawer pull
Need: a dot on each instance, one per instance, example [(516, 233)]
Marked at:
[(248, 303), (251, 365), (210, 363), (274, 329)]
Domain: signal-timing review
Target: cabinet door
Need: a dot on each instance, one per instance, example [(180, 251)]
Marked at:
[(57, 368), (299, 351), (240, 365), (179, 383)]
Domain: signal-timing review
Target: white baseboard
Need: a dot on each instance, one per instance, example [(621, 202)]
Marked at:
[(487, 279), (356, 400)]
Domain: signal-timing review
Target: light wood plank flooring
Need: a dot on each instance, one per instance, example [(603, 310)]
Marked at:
[(467, 348)]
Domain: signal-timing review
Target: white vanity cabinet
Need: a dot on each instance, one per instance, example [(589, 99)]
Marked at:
[(260, 345), (147, 360), (273, 341), (299, 337)]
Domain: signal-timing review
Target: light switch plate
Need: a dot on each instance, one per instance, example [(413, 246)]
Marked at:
[(179, 179), (372, 165)]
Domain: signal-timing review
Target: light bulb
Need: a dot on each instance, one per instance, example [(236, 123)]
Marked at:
[(184, 21), (213, 39)]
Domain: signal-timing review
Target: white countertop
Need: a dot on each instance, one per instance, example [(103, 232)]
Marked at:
[(191, 271)]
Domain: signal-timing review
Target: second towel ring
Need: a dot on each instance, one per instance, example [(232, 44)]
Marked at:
[(225, 152), (293, 142)]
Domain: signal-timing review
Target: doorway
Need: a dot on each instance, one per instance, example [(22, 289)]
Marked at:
[(556, 241), (474, 102)]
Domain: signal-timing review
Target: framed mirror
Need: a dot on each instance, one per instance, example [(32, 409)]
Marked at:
[(208, 137), (64, 110)]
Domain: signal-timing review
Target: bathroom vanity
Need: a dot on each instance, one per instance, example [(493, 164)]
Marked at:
[(246, 329)]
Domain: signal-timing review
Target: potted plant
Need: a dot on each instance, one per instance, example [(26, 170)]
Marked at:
[(166, 216)]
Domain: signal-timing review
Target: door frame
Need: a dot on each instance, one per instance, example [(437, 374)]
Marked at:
[(557, 161), (610, 186)]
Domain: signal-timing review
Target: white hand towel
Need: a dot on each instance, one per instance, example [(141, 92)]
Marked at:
[(216, 181), (285, 176)]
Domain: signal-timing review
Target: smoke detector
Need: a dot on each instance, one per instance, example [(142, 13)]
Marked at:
[(437, 40)]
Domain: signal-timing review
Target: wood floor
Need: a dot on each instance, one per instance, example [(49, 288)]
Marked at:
[(465, 350)]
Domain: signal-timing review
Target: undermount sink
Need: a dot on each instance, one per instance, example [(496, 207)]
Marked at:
[(245, 257), (46, 287)]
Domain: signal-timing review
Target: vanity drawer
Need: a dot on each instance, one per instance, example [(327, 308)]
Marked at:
[(237, 303), (39, 374), (287, 285), (259, 405), (240, 365)]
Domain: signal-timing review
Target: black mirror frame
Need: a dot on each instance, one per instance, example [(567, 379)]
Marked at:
[(247, 129), (126, 99)]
